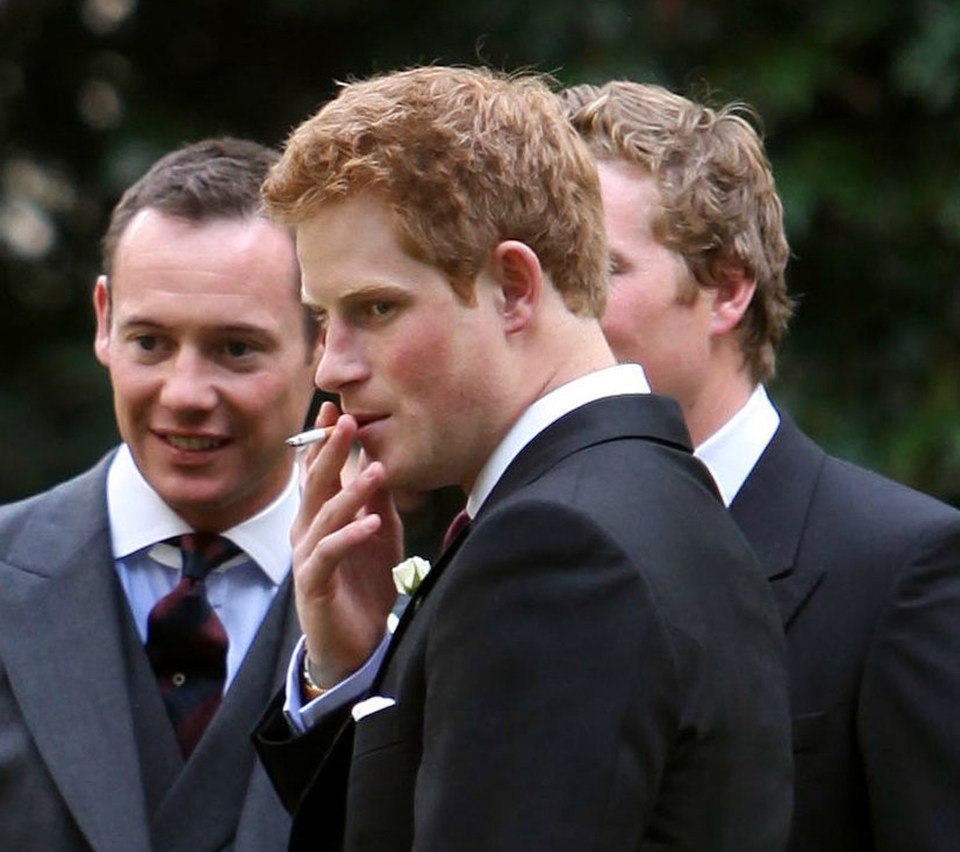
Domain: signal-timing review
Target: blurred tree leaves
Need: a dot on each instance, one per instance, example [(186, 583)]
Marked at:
[(860, 104)]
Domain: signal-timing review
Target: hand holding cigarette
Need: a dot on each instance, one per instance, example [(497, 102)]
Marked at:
[(345, 538)]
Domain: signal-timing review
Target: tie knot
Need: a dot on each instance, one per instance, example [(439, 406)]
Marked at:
[(202, 552)]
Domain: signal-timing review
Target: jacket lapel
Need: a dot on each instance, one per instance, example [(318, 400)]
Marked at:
[(201, 810), (771, 510), (60, 638), (646, 416), (413, 605)]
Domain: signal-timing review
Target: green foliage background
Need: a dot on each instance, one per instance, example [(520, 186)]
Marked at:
[(861, 105)]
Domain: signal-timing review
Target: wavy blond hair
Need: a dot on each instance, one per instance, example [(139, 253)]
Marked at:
[(718, 201)]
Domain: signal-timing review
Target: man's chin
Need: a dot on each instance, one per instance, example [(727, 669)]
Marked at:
[(411, 482)]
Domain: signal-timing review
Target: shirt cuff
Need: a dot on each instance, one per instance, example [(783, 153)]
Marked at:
[(302, 716)]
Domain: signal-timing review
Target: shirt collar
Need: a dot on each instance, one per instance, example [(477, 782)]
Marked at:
[(610, 381), (734, 449), (139, 518)]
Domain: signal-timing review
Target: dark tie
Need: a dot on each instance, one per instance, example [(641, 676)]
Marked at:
[(186, 642), (460, 522)]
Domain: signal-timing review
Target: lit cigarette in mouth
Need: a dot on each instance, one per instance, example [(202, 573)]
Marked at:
[(311, 436)]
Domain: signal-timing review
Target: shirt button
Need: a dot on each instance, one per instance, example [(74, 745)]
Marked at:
[(179, 679)]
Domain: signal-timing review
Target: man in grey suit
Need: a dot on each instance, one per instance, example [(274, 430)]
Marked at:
[(866, 572), (211, 357)]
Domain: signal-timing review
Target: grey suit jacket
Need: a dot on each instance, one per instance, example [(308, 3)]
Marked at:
[(88, 759), (866, 573)]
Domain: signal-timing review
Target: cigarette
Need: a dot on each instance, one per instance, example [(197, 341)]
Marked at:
[(311, 436)]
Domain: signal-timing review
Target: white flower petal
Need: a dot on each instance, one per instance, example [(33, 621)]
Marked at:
[(408, 574)]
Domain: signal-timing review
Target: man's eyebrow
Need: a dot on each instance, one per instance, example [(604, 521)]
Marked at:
[(242, 328), (359, 292), (372, 290), (135, 320)]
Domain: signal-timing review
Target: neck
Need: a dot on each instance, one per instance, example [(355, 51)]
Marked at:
[(579, 350), (541, 363), (724, 391), (709, 414)]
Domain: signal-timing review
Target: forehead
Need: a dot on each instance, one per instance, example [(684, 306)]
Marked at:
[(630, 193), (351, 245), (220, 272), (227, 255)]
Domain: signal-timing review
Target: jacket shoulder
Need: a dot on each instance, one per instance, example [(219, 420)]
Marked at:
[(56, 511)]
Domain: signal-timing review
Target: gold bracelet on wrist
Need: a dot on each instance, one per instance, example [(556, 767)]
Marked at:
[(310, 689)]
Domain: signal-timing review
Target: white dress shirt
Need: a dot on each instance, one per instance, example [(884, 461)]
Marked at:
[(734, 449), (611, 381), (240, 591)]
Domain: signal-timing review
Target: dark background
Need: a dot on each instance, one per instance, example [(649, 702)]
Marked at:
[(861, 106)]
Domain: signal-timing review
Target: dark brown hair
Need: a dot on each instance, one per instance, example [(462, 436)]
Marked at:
[(213, 178)]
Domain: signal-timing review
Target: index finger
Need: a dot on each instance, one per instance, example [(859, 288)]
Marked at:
[(325, 466)]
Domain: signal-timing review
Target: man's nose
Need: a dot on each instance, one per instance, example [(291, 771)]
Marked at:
[(341, 360), (189, 383)]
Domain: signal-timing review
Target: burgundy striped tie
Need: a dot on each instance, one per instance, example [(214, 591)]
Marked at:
[(186, 642)]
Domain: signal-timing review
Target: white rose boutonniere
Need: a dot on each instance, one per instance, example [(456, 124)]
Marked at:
[(408, 575)]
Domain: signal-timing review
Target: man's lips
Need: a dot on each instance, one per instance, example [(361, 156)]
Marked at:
[(193, 443), (365, 421), (363, 417)]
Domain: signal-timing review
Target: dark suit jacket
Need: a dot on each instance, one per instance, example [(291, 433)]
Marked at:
[(866, 573), (88, 758), (597, 665)]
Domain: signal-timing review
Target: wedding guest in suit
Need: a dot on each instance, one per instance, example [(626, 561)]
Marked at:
[(866, 572), (595, 661), (121, 728)]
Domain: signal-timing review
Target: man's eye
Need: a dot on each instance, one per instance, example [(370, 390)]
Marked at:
[(381, 309), (238, 348), (147, 342)]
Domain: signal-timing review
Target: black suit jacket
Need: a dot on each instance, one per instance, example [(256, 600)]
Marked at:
[(88, 757), (595, 666), (866, 573)]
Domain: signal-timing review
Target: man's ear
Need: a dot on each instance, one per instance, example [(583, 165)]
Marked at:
[(101, 307), (516, 269), (731, 297)]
